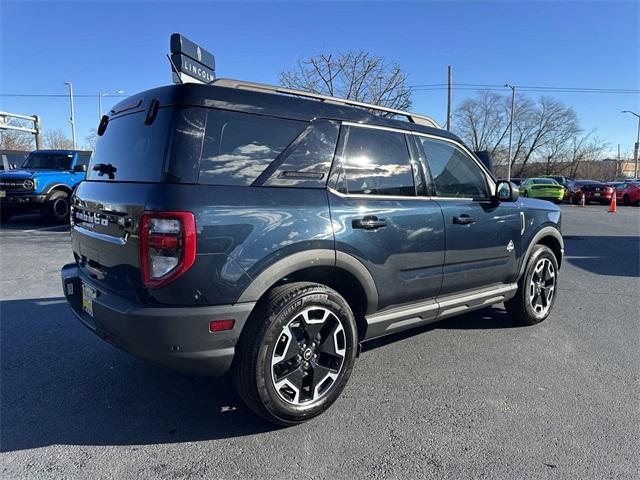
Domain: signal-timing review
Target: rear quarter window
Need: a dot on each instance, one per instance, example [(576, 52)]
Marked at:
[(238, 147)]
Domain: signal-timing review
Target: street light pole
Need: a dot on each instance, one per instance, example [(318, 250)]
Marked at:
[(513, 102), (637, 145), (72, 118)]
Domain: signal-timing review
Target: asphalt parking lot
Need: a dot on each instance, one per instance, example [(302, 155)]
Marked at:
[(469, 397)]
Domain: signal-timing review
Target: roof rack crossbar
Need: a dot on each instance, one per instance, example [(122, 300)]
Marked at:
[(262, 87)]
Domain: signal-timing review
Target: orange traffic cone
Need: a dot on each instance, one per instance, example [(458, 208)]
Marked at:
[(582, 200), (613, 206)]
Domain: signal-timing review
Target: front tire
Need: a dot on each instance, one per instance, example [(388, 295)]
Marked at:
[(625, 200), (296, 353), (56, 209), (537, 288)]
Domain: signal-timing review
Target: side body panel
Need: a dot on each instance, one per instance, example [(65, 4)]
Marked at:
[(405, 256)]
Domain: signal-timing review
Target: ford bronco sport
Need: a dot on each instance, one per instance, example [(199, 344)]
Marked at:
[(268, 232)]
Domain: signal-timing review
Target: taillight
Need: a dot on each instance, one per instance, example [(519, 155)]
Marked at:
[(167, 246)]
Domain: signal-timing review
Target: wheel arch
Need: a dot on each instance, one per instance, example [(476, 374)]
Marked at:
[(548, 236), (337, 270), (58, 187)]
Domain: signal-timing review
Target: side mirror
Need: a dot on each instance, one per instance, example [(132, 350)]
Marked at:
[(506, 192), (79, 168)]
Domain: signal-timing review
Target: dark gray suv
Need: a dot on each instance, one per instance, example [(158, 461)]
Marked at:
[(268, 232)]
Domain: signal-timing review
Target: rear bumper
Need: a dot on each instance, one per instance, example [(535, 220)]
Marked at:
[(176, 337)]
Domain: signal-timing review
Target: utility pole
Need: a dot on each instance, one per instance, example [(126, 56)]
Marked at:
[(449, 99), (513, 103), (72, 118), (637, 145)]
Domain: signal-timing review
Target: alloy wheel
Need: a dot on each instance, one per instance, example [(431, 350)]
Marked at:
[(542, 286), (308, 356)]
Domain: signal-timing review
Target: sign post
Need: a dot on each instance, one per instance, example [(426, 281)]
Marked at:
[(190, 62)]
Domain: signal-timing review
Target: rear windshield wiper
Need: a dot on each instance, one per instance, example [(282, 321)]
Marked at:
[(105, 168)]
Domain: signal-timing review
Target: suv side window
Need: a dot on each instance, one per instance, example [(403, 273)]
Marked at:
[(238, 147), (83, 159), (376, 162), (454, 173)]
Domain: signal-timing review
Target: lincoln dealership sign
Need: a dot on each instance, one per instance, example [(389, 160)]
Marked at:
[(191, 62)]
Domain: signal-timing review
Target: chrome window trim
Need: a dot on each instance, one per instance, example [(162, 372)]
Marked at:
[(365, 196)]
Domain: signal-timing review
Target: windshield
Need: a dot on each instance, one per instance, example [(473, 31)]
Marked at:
[(48, 161)]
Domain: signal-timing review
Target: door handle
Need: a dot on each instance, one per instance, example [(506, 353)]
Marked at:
[(463, 219), (370, 222)]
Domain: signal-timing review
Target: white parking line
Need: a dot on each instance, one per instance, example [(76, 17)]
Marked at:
[(44, 228)]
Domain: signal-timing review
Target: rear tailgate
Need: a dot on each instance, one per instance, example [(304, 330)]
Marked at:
[(105, 234), (128, 163)]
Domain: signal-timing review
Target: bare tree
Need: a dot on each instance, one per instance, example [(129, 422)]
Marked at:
[(483, 122), (56, 139), (15, 140), (548, 121), (541, 130), (355, 76), (91, 139), (583, 149)]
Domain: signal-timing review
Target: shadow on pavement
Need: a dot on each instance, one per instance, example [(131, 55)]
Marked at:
[(62, 385), (604, 255), (30, 221), (486, 319)]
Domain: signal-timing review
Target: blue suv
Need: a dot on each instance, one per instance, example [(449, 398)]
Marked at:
[(269, 232), (43, 183)]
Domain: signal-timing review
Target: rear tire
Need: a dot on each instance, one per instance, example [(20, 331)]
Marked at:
[(296, 353), (56, 208), (537, 288)]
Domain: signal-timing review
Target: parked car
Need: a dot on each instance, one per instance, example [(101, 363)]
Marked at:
[(562, 180), (516, 181), (43, 183), (217, 231), (592, 190), (628, 193), (544, 188)]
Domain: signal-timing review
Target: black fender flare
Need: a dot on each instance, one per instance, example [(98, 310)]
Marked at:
[(57, 187), (312, 258), (546, 231)]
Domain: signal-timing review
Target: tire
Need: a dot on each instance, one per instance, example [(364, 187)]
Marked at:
[(625, 200), (525, 309), (572, 199), (56, 208), (274, 347)]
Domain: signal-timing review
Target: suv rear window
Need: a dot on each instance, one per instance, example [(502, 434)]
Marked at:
[(136, 150)]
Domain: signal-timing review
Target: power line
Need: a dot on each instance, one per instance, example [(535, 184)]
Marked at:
[(528, 88)]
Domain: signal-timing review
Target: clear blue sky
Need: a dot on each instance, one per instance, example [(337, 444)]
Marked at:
[(107, 46)]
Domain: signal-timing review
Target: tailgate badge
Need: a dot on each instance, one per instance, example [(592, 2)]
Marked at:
[(510, 246)]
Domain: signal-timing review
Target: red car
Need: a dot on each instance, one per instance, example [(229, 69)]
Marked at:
[(592, 190), (629, 193)]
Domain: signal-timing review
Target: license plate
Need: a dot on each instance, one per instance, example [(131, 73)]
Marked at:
[(3, 194), (88, 296), (596, 194)]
